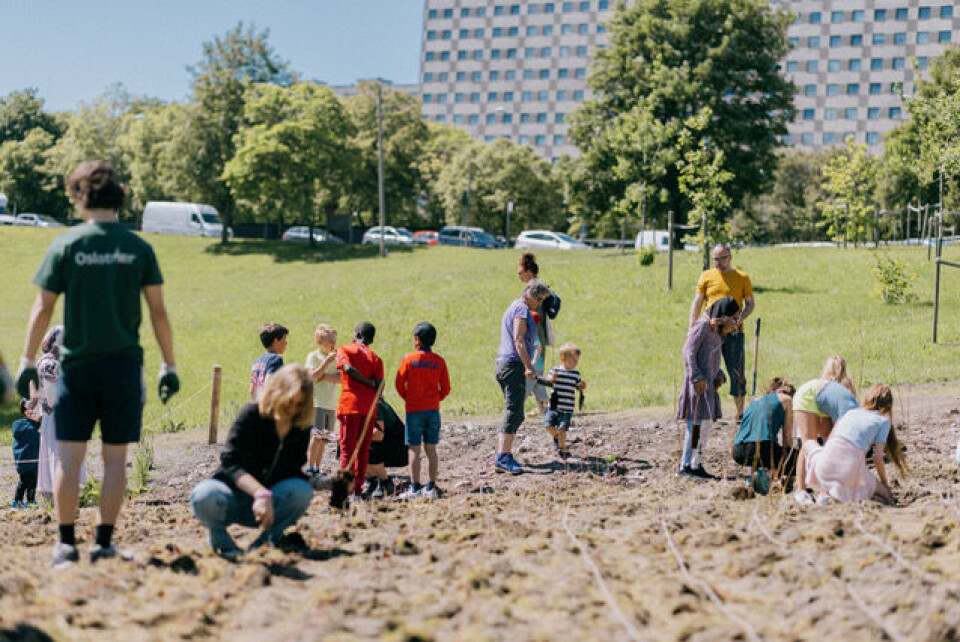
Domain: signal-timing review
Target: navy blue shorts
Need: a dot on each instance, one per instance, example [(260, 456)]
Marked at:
[(110, 390), (423, 427), (557, 419)]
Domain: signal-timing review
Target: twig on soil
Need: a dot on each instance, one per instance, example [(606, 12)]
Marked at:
[(705, 587), (607, 595), (857, 602)]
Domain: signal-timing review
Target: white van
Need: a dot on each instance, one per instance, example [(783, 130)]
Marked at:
[(185, 219), (659, 240)]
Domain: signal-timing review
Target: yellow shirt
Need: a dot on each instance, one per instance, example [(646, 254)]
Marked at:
[(715, 285)]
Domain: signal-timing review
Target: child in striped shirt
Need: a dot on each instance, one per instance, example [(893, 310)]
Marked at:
[(566, 381)]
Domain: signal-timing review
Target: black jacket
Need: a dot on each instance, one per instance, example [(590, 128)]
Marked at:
[(254, 447)]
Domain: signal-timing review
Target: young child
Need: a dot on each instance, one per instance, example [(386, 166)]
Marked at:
[(321, 364), (361, 372), (423, 382), (533, 385), (273, 336), (26, 451), (566, 381)]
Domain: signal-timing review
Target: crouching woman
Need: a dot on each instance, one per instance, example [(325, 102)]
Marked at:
[(259, 482), (839, 469)]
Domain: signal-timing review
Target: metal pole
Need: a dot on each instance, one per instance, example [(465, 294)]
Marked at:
[(509, 212), (936, 300), (876, 229), (670, 250), (214, 405), (926, 209), (706, 250), (380, 162)]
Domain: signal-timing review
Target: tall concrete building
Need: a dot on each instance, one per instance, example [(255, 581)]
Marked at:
[(518, 69), (508, 67)]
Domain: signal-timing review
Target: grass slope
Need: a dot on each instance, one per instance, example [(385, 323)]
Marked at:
[(814, 302)]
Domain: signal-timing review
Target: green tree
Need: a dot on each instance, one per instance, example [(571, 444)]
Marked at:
[(792, 210), (293, 155), (404, 138), (230, 64), (22, 177), (21, 112), (444, 143), (849, 182), (669, 60)]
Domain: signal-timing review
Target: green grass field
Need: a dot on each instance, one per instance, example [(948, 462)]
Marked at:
[(814, 302)]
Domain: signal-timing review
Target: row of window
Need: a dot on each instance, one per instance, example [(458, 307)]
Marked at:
[(849, 113), (856, 40), (509, 54), (853, 89), (509, 74), (506, 119), (879, 15), (514, 9), (506, 97), (582, 29), (829, 138), (855, 64)]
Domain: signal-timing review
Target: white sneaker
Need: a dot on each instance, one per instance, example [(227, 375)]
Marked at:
[(410, 493), (803, 497), (431, 493), (824, 500)]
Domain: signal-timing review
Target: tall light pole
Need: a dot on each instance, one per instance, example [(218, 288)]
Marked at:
[(380, 161)]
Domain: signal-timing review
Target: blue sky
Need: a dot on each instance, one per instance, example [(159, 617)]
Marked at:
[(72, 51)]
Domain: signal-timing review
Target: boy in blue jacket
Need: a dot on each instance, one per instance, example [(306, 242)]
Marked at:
[(26, 450)]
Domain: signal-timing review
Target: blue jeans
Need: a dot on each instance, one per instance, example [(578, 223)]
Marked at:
[(423, 426), (216, 505)]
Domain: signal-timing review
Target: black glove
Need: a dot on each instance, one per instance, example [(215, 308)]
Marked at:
[(25, 374), (169, 383)]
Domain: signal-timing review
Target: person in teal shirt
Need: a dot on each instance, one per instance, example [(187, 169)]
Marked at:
[(767, 417)]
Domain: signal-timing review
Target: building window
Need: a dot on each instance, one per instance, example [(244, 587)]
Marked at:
[(428, 76), (875, 88), (446, 34), (946, 11), (806, 139), (601, 28), (473, 119), (545, 52), (432, 14), (854, 64), (898, 62), (493, 97), (511, 53), (531, 31), (567, 6), (526, 96), (448, 13), (808, 114), (513, 31), (430, 55), (580, 72), (461, 55), (873, 113), (444, 55), (563, 73), (603, 5), (443, 76), (900, 14), (480, 12), (441, 98), (879, 38), (876, 64), (582, 51), (811, 66), (566, 29), (461, 76), (832, 65), (543, 96), (923, 37), (828, 138), (544, 74), (873, 138), (793, 41), (464, 33), (894, 113), (540, 140), (457, 119), (533, 8), (813, 42), (850, 113), (541, 117), (836, 16), (529, 52), (561, 95), (528, 74), (923, 13), (558, 118), (829, 113), (578, 94), (815, 18), (896, 87), (507, 118), (548, 7), (792, 65), (495, 54), (809, 90), (787, 139), (458, 98), (427, 99), (835, 41), (514, 10), (853, 89), (498, 11), (856, 40), (857, 16), (900, 38), (547, 30), (508, 96), (944, 36), (476, 76), (441, 118), (922, 62), (497, 32), (558, 139), (431, 35), (475, 97), (880, 15), (510, 74), (523, 139), (583, 29), (832, 90), (584, 6), (494, 75), (524, 118)]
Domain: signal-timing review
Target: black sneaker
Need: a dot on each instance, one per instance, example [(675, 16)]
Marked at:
[(702, 474), (98, 552), (64, 555), (388, 488), (687, 471)]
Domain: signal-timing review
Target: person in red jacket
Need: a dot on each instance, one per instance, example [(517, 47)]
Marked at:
[(423, 382), (361, 372)]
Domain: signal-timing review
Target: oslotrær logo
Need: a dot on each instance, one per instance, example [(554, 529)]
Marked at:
[(111, 258)]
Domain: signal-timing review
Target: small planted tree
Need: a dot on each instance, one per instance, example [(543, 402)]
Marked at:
[(893, 281)]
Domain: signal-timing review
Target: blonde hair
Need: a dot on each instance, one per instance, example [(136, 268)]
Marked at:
[(879, 398), (288, 391), (325, 333), (835, 369), (569, 349)]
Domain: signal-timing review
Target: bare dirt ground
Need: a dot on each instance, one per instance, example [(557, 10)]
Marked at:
[(612, 546)]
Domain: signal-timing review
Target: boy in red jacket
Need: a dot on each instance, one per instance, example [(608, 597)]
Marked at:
[(361, 372), (422, 381)]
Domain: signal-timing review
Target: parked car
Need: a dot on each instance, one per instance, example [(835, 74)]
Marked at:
[(659, 240), (6, 219), (426, 236), (185, 219), (547, 240), (391, 236), (299, 233), (467, 237), (36, 220)]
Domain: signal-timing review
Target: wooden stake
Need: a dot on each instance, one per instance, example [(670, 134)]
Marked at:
[(214, 405)]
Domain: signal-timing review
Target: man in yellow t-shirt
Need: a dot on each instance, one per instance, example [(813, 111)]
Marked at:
[(713, 285)]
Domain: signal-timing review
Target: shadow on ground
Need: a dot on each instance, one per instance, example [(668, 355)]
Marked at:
[(300, 252)]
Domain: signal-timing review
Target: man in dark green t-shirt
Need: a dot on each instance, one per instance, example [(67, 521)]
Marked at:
[(101, 269)]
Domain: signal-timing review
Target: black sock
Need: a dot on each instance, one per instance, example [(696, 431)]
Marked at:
[(67, 535), (104, 533), (430, 485)]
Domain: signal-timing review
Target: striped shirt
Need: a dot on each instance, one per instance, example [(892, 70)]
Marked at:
[(565, 383)]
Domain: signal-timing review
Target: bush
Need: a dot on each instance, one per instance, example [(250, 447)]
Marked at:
[(893, 281), (646, 256)]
